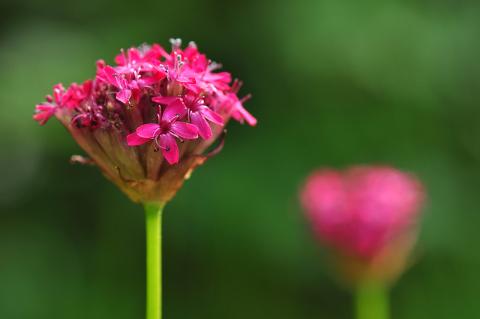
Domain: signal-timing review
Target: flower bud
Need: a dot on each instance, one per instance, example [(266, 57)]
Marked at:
[(368, 218)]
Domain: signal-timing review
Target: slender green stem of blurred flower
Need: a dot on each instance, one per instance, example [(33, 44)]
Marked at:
[(371, 301), (153, 217)]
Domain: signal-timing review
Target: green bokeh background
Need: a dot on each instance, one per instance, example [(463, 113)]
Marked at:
[(334, 83)]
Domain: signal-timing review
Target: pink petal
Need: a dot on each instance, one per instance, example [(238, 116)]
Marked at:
[(133, 85), (212, 116), (122, 82), (41, 118), (199, 62), (165, 100), (134, 55), (186, 80), (186, 76), (185, 130), (148, 130), (108, 75), (124, 95), (150, 80), (41, 108), (135, 140), (87, 87), (120, 59), (158, 51), (241, 113), (154, 53), (169, 148), (174, 110), (203, 128), (194, 87), (221, 76)]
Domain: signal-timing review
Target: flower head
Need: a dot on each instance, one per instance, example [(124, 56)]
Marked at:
[(366, 214), (147, 120)]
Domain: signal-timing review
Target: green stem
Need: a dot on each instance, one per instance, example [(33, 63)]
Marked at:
[(153, 221), (371, 301)]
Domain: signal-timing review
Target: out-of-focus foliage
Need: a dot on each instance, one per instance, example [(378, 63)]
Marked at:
[(334, 83)]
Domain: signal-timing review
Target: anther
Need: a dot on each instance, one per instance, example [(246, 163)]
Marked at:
[(176, 43), (245, 98)]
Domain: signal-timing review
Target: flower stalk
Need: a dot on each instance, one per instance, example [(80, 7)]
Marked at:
[(371, 301), (147, 122), (153, 223)]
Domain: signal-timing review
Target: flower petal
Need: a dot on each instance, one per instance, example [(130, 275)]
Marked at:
[(107, 74), (212, 116), (169, 148), (124, 95), (120, 59), (185, 130), (165, 100), (241, 113), (135, 140), (134, 55), (174, 110), (149, 130), (224, 77), (186, 76), (203, 128)]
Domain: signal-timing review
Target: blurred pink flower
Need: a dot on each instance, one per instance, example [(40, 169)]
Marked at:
[(361, 211)]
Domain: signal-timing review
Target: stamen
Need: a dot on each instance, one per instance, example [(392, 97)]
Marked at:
[(176, 43), (178, 137), (122, 52), (178, 62), (163, 68), (158, 146), (144, 47), (245, 98), (237, 85), (212, 65)]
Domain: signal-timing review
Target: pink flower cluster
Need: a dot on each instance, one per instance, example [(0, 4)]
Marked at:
[(360, 211), (150, 95)]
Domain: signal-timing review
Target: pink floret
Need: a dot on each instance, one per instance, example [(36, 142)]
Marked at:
[(43, 112)]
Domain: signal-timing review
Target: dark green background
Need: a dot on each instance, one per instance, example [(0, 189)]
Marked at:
[(334, 83)]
